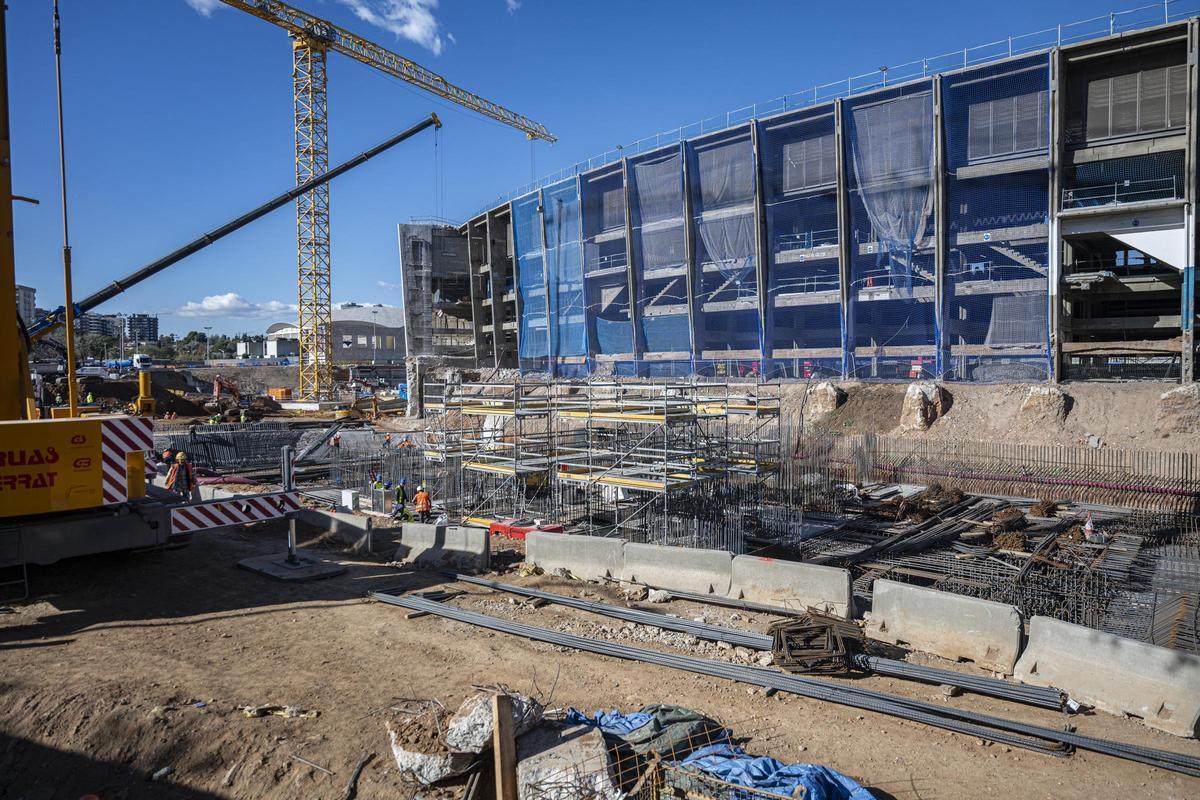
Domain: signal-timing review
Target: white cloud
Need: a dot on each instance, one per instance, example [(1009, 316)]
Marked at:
[(450, 38), (206, 7), (411, 19), (512, 5), (386, 285), (232, 305)]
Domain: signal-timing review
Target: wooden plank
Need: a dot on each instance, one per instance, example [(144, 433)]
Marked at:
[(504, 746), (1124, 348)]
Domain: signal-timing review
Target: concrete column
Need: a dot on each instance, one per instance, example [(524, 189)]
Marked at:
[(941, 234), (845, 240), (689, 250), (1192, 193), (412, 377), (550, 321), (632, 268), (760, 252), (477, 256), (1054, 265)]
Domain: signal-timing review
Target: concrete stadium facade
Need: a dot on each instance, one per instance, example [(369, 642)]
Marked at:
[(1031, 218)]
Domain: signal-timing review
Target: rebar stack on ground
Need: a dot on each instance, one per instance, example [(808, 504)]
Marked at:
[(980, 684), (1037, 738)]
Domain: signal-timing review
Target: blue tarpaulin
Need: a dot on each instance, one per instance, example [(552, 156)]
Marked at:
[(732, 765), (614, 723)]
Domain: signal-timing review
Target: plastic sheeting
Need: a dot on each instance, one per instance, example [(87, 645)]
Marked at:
[(606, 262), (725, 267), (564, 270), (656, 209), (798, 153), (889, 138), (534, 327), (997, 272)]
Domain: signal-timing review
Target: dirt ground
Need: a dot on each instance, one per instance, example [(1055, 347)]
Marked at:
[(1125, 415), (122, 665)]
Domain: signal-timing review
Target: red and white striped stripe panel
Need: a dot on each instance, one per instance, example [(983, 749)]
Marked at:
[(239, 511), (120, 436)]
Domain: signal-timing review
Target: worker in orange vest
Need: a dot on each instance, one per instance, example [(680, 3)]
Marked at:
[(182, 479), (423, 503)]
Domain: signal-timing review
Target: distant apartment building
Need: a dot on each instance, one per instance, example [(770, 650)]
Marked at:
[(99, 325), (25, 303), (141, 328)]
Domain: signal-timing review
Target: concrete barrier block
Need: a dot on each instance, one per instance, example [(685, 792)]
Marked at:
[(682, 568), (459, 546), (791, 584), (351, 529), (1115, 674), (587, 557), (945, 624)]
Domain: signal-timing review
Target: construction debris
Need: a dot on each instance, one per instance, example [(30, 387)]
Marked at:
[(470, 729)]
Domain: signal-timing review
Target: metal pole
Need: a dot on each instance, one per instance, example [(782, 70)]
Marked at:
[(68, 299), (286, 461), (207, 344), (12, 406)]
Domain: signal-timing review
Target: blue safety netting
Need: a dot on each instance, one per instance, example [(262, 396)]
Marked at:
[(721, 172), (606, 263), (564, 272), (891, 322), (656, 211), (798, 153), (534, 339), (998, 217)]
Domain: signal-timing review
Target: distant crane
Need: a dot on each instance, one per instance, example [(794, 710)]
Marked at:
[(312, 39)]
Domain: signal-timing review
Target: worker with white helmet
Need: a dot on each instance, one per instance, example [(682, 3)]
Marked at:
[(423, 503)]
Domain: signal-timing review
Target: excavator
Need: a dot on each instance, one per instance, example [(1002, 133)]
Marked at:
[(221, 382)]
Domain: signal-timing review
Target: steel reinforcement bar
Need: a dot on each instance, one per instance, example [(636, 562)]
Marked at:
[(1037, 738), (1041, 696)]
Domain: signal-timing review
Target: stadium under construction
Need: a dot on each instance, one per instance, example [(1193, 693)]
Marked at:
[(1017, 212)]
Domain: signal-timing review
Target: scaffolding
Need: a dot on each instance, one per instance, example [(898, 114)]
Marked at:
[(666, 463), (492, 441)]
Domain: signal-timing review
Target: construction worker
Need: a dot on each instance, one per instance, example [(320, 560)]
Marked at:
[(58, 401), (243, 416), (89, 399), (400, 500), (387, 441), (182, 479), (423, 503)]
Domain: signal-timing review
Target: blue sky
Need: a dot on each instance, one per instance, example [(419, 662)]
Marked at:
[(179, 118)]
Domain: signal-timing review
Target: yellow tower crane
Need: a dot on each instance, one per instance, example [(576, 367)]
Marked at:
[(312, 39)]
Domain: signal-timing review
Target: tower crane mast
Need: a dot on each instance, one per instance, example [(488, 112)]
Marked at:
[(312, 39)]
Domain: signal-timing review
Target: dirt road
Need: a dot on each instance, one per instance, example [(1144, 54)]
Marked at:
[(121, 666)]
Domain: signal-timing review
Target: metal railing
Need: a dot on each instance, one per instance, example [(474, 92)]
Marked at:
[(1119, 192), (1146, 16)]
